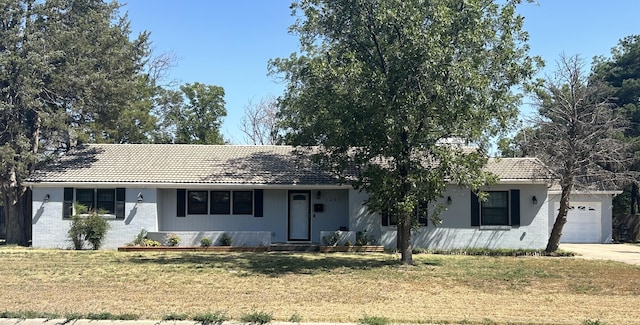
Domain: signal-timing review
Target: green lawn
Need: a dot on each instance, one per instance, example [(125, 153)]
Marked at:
[(320, 287)]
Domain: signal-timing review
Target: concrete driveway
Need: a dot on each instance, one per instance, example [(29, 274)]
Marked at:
[(625, 253)]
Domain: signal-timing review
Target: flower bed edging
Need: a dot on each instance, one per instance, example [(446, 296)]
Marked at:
[(193, 249), (362, 249)]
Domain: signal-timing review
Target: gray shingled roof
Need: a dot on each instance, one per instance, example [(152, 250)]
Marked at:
[(210, 164)]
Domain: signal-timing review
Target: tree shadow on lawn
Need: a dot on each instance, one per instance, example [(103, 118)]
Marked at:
[(272, 264)]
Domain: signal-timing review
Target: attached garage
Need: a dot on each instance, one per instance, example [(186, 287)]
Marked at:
[(589, 217), (583, 223)]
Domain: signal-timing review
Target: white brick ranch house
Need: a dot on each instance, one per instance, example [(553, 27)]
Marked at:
[(260, 195)]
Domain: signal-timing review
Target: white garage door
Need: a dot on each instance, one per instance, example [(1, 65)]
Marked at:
[(583, 223)]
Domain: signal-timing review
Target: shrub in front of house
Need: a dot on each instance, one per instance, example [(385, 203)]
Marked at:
[(225, 240), (362, 239), (142, 240), (205, 242), (87, 227), (173, 240), (331, 240)]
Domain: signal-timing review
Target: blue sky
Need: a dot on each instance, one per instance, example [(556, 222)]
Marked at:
[(228, 43)]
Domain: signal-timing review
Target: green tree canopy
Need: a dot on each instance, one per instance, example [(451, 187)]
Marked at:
[(192, 114), (516, 146), (68, 70), (383, 86), (621, 72)]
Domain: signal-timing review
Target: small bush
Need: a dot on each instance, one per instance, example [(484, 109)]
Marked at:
[(257, 317), (150, 243), (363, 240), (139, 239), (142, 240), (373, 320), (331, 240), (173, 240), (205, 242), (225, 240), (76, 232), (592, 322), (174, 316), (91, 228), (295, 318), (95, 229), (211, 318)]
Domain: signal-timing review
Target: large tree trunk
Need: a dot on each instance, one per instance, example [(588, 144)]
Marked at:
[(635, 199), (16, 221), (406, 249), (17, 226), (404, 220), (561, 219), (399, 238)]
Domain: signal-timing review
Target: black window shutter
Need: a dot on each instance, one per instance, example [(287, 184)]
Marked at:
[(385, 219), (120, 194), (475, 210), (120, 202), (515, 207), (67, 205), (258, 203), (181, 203)]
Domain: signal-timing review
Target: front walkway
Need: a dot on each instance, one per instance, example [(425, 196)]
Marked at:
[(626, 253)]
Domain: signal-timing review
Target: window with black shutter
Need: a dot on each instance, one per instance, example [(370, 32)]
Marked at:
[(494, 211), (501, 208), (105, 201)]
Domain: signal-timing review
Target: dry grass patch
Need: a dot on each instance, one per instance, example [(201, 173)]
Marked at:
[(321, 287)]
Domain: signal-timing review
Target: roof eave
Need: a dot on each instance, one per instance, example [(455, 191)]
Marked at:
[(609, 192), (523, 181), (169, 185)]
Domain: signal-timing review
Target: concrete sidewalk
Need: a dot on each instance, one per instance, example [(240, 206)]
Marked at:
[(626, 253), (42, 321)]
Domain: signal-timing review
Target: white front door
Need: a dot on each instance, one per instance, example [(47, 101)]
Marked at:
[(299, 216)]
